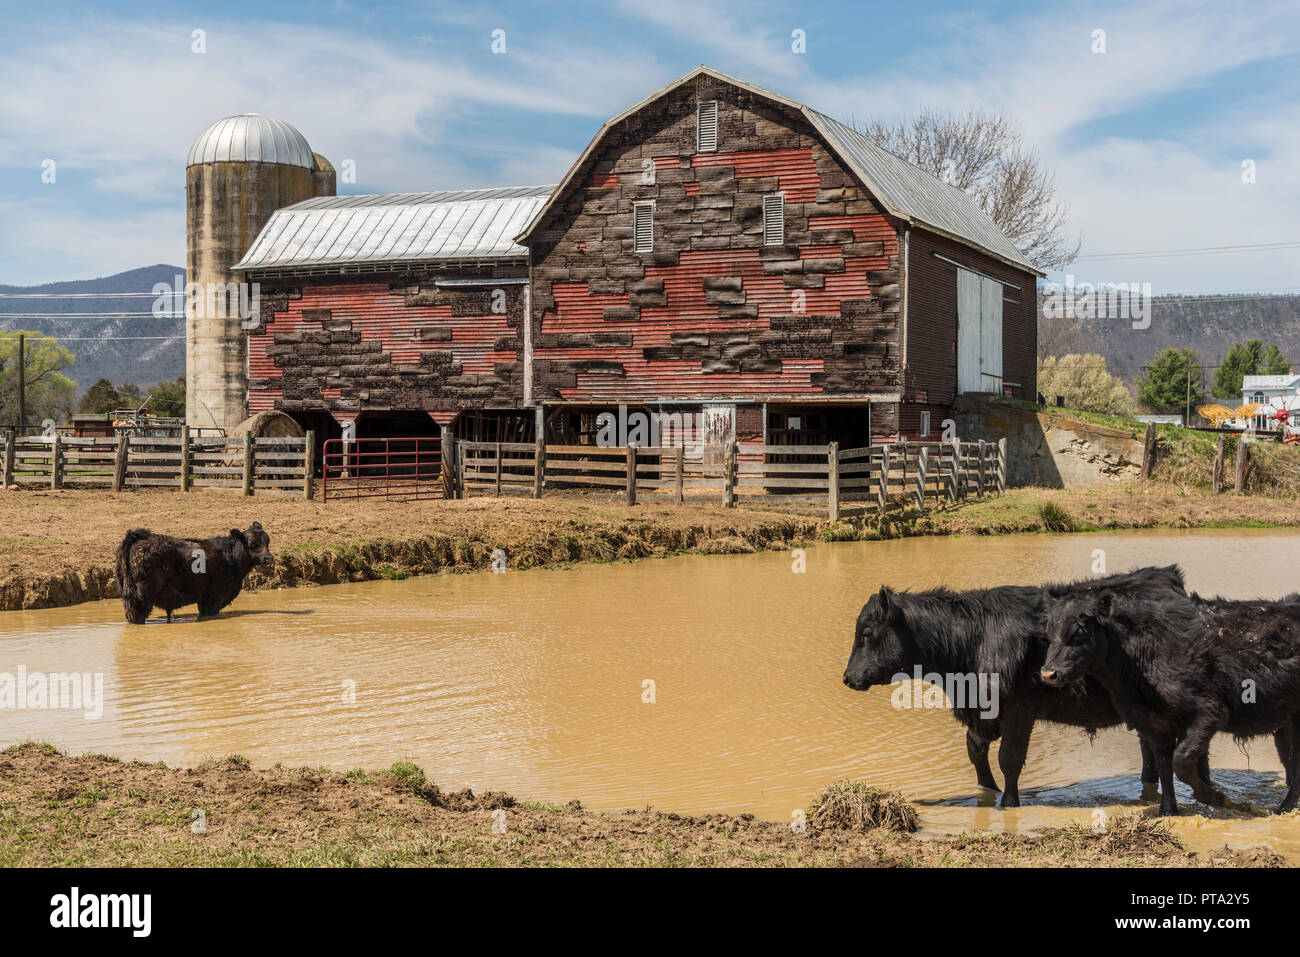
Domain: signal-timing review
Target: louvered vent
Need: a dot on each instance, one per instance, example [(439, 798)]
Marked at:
[(774, 220), (706, 127), (643, 227)]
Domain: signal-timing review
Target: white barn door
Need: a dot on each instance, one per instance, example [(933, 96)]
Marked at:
[(979, 333)]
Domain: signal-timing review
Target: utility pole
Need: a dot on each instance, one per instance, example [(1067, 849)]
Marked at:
[(22, 383), (1187, 411)]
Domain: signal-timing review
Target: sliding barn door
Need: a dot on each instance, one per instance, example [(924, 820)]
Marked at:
[(979, 333)]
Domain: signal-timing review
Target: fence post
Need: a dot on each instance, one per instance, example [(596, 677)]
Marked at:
[(922, 461), (1002, 465), (980, 474), (1243, 456), (631, 473), (498, 489), (954, 479), (729, 475), (539, 466), (9, 459), (902, 448), (249, 459), (1149, 450), (681, 473), (185, 458), (882, 490), (119, 466), (308, 464), (56, 452), (1216, 474), (833, 480)]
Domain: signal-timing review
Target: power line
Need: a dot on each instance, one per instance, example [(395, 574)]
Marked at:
[(89, 295), (89, 315), (1194, 250)]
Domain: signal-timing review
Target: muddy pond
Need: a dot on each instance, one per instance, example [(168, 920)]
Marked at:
[(537, 682)]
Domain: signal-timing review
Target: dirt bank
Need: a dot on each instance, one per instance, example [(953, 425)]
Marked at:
[(57, 810), (56, 547)]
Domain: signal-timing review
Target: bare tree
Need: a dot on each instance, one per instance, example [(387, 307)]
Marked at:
[(984, 154)]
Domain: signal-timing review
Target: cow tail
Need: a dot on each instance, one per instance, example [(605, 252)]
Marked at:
[(137, 610)]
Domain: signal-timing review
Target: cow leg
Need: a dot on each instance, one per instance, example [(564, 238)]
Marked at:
[(1282, 740), (1189, 757), (1164, 752), (1292, 767), (1016, 729), (1150, 779), (977, 749)]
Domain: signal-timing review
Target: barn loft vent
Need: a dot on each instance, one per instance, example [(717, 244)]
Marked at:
[(774, 220), (706, 127), (643, 226)]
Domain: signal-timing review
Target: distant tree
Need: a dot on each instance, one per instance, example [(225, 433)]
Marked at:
[(1247, 358), (49, 394), (103, 397), (1172, 382), (1084, 383), (168, 398), (985, 155)]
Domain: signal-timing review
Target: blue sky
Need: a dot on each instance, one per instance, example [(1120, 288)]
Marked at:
[(1147, 138)]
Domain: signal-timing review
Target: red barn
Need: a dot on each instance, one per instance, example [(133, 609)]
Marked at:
[(719, 256)]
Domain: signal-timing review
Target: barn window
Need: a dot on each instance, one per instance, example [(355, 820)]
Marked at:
[(706, 126), (774, 220), (925, 424), (643, 227)]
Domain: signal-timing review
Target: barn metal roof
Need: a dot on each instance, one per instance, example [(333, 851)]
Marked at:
[(251, 138), (463, 224), (907, 192)]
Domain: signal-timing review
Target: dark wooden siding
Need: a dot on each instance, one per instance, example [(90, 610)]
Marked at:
[(930, 380)]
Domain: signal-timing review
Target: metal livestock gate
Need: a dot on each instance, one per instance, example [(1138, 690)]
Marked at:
[(393, 468)]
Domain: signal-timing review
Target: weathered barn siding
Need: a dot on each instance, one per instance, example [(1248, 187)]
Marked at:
[(387, 344), (712, 313), (930, 381)]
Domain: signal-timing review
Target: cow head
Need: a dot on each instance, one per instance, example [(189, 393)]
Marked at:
[(256, 541), (882, 644), (1078, 628)]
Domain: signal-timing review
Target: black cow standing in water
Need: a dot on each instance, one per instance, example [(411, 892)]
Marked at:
[(168, 573), (985, 632), (1180, 669)]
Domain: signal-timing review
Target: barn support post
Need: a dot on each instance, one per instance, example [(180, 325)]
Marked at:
[(1002, 465), (631, 473), (539, 463), (833, 481), (308, 464), (729, 475), (922, 462), (882, 489), (9, 458), (1243, 459), (448, 462), (1149, 450), (56, 455), (681, 474), (249, 459), (119, 466), (498, 488), (1216, 476)]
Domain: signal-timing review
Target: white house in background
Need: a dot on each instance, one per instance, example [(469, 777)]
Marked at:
[(1274, 392)]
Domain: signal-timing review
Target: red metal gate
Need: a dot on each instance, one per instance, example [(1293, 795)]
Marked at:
[(393, 468)]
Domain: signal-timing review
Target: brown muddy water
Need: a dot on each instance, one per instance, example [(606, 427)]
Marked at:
[(534, 682)]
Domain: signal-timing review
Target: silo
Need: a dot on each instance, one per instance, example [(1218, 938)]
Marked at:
[(239, 171)]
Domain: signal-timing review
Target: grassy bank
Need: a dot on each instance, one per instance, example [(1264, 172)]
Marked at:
[(58, 546), (57, 810)]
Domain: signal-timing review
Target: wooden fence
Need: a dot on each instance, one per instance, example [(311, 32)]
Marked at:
[(275, 466), (872, 476)]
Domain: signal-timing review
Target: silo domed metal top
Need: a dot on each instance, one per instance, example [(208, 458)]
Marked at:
[(251, 138)]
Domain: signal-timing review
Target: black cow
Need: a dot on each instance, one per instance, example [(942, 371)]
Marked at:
[(984, 632), (1179, 669), (158, 570)]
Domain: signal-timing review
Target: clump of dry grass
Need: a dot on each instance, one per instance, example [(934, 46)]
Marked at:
[(1129, 833), (854, 806)]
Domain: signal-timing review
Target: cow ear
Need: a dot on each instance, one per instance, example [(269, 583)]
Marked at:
[(257, 526), (236, 533), (886, 601), (1106, 604)]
